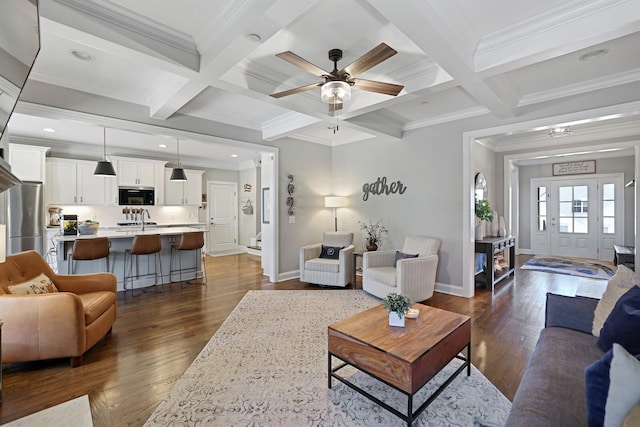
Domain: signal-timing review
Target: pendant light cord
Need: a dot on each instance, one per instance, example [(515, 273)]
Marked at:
[(104, 143)]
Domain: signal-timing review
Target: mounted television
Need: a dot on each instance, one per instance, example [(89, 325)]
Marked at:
[(19, 46)]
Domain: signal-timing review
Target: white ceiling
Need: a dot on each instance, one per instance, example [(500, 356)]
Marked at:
[(456, 58)]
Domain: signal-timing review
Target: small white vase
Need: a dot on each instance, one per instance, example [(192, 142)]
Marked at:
[(479, 231), (503, 227), (395, 320), (494, 224)]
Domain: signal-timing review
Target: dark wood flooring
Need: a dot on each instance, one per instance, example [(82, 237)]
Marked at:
[(157, 337)]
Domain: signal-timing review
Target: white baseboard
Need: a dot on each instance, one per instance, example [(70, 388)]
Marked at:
[(446, 288), (523, 251), (288, 275)]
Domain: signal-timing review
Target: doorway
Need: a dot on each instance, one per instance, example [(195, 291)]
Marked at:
[(577, 217), (222, 216)]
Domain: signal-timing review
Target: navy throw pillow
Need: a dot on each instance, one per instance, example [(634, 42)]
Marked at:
[(597, 384), (402, 255), (331, 252), (623, 323)]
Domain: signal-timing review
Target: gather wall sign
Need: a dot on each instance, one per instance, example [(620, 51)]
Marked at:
[(380, 187)]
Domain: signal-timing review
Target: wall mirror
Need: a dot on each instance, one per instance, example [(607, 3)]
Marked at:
[(481, 190), (19, 45)]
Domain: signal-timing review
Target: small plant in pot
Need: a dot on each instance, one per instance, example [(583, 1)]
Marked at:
[(398, 305), (374, 232)]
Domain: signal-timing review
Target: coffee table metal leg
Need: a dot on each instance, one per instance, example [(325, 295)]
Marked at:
[(409, 410), (329, 371), (469, 359)]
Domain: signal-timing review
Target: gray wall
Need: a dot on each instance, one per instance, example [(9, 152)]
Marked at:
[(610, 165), (429, 163), (310, 165)]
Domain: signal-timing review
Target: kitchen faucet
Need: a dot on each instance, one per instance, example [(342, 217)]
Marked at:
[(142, 211)]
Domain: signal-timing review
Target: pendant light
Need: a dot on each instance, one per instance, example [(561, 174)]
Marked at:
[(104, 167), (177, 174)]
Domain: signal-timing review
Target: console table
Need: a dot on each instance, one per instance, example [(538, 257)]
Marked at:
[(491, 246)]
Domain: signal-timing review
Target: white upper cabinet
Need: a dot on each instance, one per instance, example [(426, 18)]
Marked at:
[(132, 173), (72, 182), (28, 162), (178, 193)]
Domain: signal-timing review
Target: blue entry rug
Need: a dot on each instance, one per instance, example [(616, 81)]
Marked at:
[(570, 266)]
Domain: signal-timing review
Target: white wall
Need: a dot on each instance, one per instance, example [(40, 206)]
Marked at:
[(247, 222)]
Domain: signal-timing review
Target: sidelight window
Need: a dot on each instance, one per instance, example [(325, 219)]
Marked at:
[(608, 209), (542, 208)]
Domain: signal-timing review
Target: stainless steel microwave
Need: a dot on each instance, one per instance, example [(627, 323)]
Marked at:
[(137, 196)]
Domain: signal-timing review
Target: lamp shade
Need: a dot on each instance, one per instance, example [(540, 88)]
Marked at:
[(104, 168), (335, 92), (335, 202), (177, 174)]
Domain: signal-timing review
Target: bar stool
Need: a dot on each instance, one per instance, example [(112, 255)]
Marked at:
[(88, 250), (191, 241), (148, 244)]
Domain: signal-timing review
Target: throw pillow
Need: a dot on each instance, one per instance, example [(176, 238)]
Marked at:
[(624, 391), (402, 255), (331, 252), (623, 323), (598, 383), (621, 282), (40, 284)]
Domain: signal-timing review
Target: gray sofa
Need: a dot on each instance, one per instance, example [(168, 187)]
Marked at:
[(552, 390)]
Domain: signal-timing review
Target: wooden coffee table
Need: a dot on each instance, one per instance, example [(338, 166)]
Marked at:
[(403, 358)]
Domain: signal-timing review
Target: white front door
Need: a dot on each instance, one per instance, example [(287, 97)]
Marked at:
[(574, 217), (223, 219)]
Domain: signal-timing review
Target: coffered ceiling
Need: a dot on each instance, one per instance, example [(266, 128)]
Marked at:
[(214, 61)]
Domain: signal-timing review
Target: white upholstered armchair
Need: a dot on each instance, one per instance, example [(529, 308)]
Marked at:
[(412, 276), (322, 269)]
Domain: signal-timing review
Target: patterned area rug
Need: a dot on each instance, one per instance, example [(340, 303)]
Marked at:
[(267, 366), (570, 266)]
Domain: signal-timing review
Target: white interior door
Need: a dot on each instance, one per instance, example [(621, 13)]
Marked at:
[(573, 211), (223, 218)]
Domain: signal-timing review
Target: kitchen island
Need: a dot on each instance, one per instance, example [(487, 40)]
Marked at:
[(121, 240)]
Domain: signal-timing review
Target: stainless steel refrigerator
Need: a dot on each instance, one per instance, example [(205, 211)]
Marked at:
[(25, 217)]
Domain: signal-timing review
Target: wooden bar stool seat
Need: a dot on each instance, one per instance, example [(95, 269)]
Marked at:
[(148, 244), (191, 241), (89, 250)]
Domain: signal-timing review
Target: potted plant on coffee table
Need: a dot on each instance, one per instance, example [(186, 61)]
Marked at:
[(398, 305)]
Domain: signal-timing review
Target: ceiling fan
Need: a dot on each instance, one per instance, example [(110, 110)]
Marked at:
[(336, 85)]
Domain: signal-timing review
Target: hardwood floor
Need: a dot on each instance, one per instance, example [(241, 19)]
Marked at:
[(157, 337)]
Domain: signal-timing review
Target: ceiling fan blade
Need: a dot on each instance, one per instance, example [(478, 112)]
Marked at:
[(378, 87), (295, 90), (370, 59), (294, 59), (334, 107)]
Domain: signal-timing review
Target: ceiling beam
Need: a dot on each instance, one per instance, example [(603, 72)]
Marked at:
[(429, 29)]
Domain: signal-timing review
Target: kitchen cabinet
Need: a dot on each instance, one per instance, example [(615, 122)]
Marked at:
[(72, 182), (28, 162), (133, 173), (159, 178), (188, 193)]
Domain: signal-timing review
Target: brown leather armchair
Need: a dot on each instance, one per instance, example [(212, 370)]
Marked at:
[(54, 325)]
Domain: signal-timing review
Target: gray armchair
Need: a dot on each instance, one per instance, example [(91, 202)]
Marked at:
[(326, 271), (414, 277)]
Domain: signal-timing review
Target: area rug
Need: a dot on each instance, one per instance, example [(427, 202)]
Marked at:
[(267, 366), (73, 413), (570, 266)]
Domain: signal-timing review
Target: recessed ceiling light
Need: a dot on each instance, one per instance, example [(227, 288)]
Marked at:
[(560, 131), (50, 130), (234, 155), (254, 37), (82, 55), (162, 145), (594, 54)]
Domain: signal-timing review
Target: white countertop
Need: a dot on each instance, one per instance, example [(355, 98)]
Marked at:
[(129, 233)]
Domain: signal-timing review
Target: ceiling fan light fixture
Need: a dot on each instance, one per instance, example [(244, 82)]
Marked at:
[(335, 92)]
